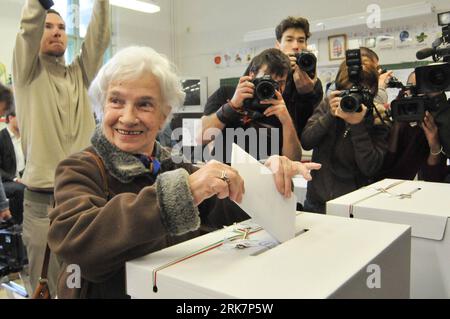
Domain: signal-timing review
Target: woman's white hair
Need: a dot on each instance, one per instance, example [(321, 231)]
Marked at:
[(130, 64)]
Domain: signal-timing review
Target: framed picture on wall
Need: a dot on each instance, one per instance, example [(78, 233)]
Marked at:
[(337, 45)]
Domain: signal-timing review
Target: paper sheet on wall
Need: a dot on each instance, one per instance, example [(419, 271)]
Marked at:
[(261, 200)]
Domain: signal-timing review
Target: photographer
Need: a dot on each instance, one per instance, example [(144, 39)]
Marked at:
[(228, 111), (414, 149), (303, 91), (349, 145), (384, 79)]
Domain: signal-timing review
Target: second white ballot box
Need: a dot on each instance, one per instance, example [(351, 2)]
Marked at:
[(330, 257), (426, 208)]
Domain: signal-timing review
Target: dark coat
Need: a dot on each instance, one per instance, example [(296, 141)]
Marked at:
[(351, 155)]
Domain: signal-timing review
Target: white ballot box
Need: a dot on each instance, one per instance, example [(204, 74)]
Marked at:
[(300, 185), (426, 208), (330, 257)]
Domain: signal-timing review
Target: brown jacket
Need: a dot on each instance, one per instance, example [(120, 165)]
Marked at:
[(100, 234)]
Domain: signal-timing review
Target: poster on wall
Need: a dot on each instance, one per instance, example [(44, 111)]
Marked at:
[(337, 45), (234, 58), (404, 39)]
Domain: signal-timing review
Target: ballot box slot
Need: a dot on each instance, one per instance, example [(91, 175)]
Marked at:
[(266, 248)]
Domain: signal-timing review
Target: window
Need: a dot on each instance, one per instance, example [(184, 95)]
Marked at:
[(76, 14)]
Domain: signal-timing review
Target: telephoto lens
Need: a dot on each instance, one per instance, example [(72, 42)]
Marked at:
[(307, 62)]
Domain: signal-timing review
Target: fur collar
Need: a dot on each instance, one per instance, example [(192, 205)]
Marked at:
[(122, 165)]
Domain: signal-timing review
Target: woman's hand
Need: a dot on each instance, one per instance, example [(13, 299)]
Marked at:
[(431, 133), (335, 101), (219, 179), (352, 118), (284, 169)]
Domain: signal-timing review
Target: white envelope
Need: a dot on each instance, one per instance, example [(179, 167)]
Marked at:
[(261, 200)]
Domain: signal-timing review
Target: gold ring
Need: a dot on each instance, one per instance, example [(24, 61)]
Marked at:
[(224, 177)]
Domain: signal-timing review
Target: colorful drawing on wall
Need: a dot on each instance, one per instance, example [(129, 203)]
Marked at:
[(404, 39), (3, 74), (421, 38), (337, 45)]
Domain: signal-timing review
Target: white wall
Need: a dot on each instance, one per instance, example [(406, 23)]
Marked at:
[(205, 28), (9, 24), (195, 30)]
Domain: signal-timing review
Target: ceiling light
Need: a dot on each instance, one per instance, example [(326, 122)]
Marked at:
[(136, 5)]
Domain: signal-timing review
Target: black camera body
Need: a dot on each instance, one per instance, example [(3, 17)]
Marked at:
[(12, 251), (433, 78), (410, 109), (307, 62), (353, 99), (357, 95), (436, 77), (265, 89)]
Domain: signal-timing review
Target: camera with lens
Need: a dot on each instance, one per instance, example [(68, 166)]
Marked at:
[(393, 82), (307, 62), (12, 251), (410, 109), (436, 76), (432, 78), (353, 98), (265, 89)]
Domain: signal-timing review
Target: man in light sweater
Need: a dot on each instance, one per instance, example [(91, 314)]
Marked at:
[(53, 110)]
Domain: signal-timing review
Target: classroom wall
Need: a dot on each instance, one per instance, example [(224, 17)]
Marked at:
[(206, 28)]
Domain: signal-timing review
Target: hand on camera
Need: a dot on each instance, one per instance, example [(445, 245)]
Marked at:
[(216, 178), (284, 170), (431, 133), (334, 101), (277, 108), (5, 215), (352, 118), (244, 90), (384, 78)]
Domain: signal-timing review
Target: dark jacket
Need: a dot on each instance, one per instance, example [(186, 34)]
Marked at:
[(8, 165), (100, 233), (351, 155), (264, 135), (411, 156), (301, 106)]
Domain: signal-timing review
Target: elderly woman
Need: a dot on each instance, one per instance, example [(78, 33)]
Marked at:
[(124, 197)]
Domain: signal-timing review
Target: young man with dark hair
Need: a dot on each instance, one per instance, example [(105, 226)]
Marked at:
[(53, 109), (302, 93), (227, 112), (12, 164)]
